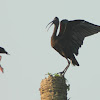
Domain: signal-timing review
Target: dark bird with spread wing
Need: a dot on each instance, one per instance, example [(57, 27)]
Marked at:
[(70, 37)]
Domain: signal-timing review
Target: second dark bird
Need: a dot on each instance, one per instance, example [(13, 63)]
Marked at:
[(2, 51)]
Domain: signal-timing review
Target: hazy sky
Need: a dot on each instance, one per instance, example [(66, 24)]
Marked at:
[(23, 35)]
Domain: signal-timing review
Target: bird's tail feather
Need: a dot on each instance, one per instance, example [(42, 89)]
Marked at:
[(74, 61)]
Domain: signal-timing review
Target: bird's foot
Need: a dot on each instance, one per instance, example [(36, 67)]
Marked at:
[(61, 73)]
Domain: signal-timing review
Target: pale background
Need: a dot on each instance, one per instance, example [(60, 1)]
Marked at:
[(23, 35)]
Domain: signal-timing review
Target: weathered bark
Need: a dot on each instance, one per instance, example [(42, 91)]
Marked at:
[(54, 88)]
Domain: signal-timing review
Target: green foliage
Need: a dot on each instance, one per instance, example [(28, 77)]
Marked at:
[(54, 75), (48, 73)]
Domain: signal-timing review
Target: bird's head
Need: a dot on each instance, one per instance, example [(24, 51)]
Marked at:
[(55, 22), (2, 50)]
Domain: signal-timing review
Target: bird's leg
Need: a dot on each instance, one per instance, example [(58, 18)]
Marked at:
[(0, 58), (64, 71), (1, 69)]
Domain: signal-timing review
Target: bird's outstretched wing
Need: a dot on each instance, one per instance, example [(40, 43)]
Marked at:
[(76, 31)]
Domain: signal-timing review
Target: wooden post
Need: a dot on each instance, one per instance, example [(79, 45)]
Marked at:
[(54, 88)]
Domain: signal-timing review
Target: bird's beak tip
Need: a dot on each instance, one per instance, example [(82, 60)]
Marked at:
[(50, 25), (8, 54)]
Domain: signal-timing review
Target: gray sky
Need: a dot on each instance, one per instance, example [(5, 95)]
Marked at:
[(23, 35)]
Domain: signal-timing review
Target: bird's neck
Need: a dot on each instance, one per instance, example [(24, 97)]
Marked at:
[(55, 32), (54, 36)]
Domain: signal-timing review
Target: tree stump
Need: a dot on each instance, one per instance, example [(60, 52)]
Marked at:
[(54, 88)]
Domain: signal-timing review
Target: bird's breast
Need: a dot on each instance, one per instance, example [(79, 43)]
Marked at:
[(54, 42)]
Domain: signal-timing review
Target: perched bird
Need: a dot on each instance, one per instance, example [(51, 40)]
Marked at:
[(2, 50), (70, 37)]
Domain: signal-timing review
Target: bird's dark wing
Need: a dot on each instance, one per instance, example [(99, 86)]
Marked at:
[(76, 31)]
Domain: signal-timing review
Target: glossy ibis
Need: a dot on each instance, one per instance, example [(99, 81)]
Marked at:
[(70, 37)]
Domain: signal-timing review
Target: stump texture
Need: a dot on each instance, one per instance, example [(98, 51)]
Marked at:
[(53, 88)]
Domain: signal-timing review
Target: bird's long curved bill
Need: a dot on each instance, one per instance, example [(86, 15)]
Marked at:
[(50, 25)]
